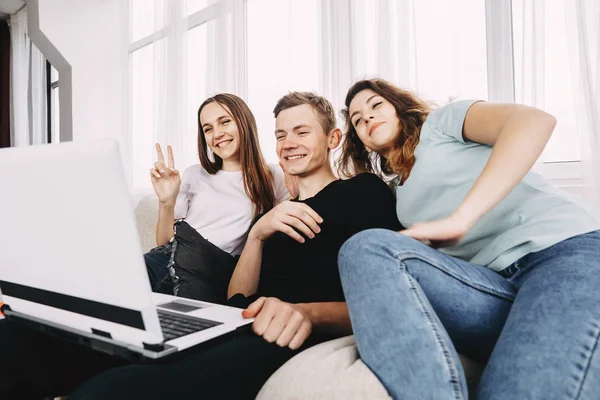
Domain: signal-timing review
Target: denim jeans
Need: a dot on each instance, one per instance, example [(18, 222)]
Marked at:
[(157, 261), (414, 308)]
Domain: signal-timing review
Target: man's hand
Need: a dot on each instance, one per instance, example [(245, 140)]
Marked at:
[(279, 322), (284, 218)]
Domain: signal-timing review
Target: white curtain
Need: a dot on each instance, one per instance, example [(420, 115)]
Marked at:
[(362, 38), (170, 73), (435, 48), (581, 17), (226, 58), (191, 50), (28, 86), (532, 90)]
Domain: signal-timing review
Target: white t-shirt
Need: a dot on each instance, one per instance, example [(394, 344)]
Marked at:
[(217, 205)]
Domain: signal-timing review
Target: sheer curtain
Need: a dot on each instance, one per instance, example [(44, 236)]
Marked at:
[(182, 51), (432, 47), (582, 18), (28, 86), (362, 38), (170, 73)]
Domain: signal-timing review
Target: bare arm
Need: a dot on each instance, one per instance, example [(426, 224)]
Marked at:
[(328, 317), (289, 325), (285, 217), (247, 271), (164, 227), (166, 182), (518, 135)]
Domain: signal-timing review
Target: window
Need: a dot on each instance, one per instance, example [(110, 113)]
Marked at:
[(170, 72), (276, 46), (52, 87), (451, 58), (542, 72), (433, 47)]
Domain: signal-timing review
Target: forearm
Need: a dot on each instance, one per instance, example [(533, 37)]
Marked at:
[(247, 271), (328, 317), (164, 227), (518, 146)]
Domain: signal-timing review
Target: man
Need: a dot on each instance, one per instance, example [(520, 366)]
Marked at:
[(286, 278)]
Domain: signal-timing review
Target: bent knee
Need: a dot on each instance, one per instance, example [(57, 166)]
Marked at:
[(364, 248)]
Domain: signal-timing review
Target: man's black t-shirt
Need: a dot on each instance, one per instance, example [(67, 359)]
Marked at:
[(308, 272)]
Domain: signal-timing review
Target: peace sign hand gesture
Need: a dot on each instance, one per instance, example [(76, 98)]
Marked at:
[(165, 178)]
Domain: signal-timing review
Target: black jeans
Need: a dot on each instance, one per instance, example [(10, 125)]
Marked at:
[(198, 270), (35, 365), (157, 261)]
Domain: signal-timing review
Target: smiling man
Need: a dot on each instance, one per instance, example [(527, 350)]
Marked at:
[(287, 276)]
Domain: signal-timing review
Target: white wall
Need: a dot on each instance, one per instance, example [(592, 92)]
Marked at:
[(92, 36)]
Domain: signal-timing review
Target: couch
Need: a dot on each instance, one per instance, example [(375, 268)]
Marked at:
[(328, 371)]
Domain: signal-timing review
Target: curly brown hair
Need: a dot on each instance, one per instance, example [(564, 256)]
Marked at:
[(411, 111)]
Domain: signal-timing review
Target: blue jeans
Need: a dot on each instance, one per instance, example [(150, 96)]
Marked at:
[(414, 308)]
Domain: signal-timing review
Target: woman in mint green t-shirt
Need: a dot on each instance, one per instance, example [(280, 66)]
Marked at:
[(495, 262)]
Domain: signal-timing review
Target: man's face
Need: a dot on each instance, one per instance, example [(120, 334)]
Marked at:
[(302, 144)]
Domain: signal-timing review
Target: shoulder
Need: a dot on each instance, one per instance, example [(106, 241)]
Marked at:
[(276, 171), (365, 179), (448, 119), (195, 169), (448, 110), (366, 184), (194, 173)]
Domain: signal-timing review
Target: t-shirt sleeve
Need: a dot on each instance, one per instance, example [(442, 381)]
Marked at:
[(281, 192), (374, 204), (449, 120), (182, 204)]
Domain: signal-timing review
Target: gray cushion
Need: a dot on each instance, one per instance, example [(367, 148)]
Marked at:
[(333, 370)]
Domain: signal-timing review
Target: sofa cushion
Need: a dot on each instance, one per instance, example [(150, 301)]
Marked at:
[(333, 370), (328, 371), (146, 217)]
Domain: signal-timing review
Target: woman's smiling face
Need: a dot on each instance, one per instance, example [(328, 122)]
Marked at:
[(375, 121)]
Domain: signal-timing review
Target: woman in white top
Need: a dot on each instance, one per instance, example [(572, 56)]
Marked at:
[(218, 198)]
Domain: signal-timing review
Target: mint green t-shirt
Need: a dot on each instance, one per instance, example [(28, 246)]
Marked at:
[(534, 216)]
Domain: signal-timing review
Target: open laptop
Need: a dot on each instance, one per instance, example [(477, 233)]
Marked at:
[(71, 263)]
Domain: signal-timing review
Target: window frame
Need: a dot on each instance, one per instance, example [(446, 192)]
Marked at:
[(209, 13)]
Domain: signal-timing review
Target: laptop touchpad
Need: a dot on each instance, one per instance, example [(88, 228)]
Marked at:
[(182, 306)]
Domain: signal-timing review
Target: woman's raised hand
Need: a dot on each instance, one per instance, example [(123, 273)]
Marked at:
[(165, 178)]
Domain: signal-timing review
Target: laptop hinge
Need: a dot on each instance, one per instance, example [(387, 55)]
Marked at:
[(101, 333), (5, 307), (154, 347)]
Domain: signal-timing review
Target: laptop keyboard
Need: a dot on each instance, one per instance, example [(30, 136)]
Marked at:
[(175, 325)]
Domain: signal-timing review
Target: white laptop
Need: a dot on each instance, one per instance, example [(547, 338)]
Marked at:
[(71, 263)]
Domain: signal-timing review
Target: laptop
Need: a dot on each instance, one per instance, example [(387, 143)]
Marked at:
[(71, 264)]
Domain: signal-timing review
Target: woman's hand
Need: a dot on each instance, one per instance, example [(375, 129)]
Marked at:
[(441, 233), (165, 178)]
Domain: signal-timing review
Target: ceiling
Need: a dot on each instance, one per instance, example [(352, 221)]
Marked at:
[(8, 7)]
